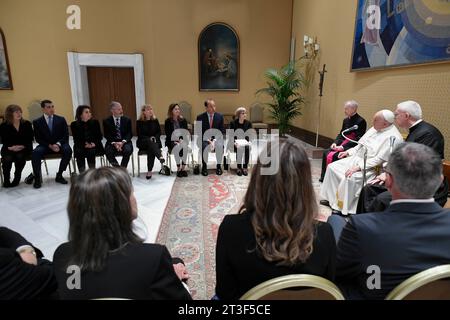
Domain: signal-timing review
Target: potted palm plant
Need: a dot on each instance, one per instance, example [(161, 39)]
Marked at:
[(283, 86)]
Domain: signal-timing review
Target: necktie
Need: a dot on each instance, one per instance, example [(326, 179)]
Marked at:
[(118, 134), (50, 123), (211, 120)]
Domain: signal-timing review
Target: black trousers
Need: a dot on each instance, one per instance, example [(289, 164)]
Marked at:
[(19, 160), (219, 153), (180, 156), (111, 153), (324, 161), (242, 155), (82, 154), (40, 151), (375, 198), (152, 149)]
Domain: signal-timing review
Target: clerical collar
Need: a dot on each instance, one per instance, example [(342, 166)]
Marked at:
[(353, 115), (115, 118), (415, 123), (412, 201)]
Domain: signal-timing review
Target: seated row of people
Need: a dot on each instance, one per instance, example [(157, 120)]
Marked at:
[(275, 233), (52, 135), (350, 181)]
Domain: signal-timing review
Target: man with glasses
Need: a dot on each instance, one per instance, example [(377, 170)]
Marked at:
[(408, 115)]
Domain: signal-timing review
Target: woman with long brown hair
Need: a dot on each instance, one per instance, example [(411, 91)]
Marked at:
[(17, 139), (111, 259), (276, 232), (173, 122)]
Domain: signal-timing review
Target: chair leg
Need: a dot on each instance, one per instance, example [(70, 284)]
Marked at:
[(132, 164), (46, 167), (169, 161), (1, 172), (74, 166), (139, 165)]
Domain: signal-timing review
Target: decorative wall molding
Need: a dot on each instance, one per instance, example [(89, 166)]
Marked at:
[(78, 63)]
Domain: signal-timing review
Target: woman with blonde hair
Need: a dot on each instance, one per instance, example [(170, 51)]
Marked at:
[(276, 232), (149, 137), (17, 139)]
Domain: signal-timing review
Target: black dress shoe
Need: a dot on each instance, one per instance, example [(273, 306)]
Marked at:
[(15, 182), (7, 184), (37, 183), (184, 173), (204, 172), (29, 179), (245, 172), (325, 203), (320, 180), (179, 174), (60, 179), (239, 172), (148, 177), (219, 171)]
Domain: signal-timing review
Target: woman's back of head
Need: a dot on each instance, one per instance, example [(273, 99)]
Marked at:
[(283, 204), (100, 215)]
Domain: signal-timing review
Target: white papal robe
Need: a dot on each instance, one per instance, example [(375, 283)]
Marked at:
[(342, 193)]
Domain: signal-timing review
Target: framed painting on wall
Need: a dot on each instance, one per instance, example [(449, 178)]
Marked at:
[(396, 33), (218, 58), (5, 73)]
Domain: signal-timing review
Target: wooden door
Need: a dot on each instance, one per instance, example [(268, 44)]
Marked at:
[(108, 84)]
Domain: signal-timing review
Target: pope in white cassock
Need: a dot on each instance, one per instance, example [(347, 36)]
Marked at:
[(344, 178)]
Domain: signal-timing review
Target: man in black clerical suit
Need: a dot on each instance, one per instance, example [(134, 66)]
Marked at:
[(23, 272), (118, 134), (341, 144), (408, 115), (52, 134), (412, 235), (211, 120)]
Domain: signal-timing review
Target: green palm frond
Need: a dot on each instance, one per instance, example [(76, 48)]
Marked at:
[(283, 87)]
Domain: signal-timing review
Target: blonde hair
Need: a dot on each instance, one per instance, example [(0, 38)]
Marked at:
[(143, 108), (238, 112)]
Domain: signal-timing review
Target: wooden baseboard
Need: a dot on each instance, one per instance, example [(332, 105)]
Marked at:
[(310, 137)]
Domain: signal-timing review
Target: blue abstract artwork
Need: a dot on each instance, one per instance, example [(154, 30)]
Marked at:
[(394, 33)]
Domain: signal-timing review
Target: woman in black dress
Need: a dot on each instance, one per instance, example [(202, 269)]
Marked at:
[(111, 260), (17, 138), (241, 122), (149, 137), (176, 121), (276, 232), (87, 138)]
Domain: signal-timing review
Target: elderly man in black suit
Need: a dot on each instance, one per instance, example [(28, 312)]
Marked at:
[(23, 272), (410, 236), (408, 115), (211, 119), (341, 144), (52, 135), (118, 134)]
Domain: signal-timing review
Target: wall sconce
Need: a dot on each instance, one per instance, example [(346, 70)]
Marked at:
[(311, 46)]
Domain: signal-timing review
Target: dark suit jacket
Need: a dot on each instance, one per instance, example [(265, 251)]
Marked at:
[(148, 129), (350, 122), (239, 268), (137, 271), (217, 122), (18, 279), (59, 134), (403, 240), (109, 129), (11, 137), (169, 129), (428, 135), (89, 132)]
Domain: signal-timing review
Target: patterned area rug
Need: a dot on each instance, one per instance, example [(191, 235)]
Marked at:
[(192, 217)]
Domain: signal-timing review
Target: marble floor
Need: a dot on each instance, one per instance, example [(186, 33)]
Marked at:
[(41, 217)]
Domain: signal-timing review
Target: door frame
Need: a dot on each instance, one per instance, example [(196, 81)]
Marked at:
[(78, 63)]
